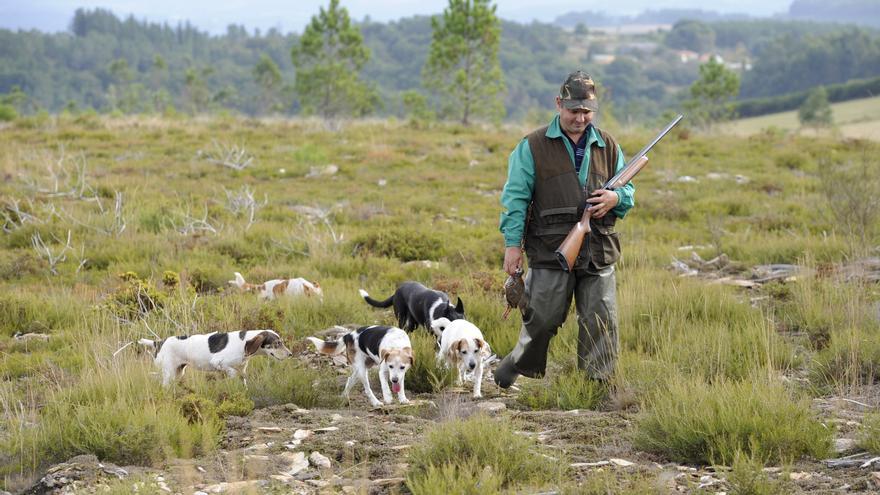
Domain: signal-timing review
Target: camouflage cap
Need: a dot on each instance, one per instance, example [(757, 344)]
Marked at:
[(579, 92)]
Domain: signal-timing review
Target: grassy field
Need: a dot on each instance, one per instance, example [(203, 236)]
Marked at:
[(852, 119), (118, 229)]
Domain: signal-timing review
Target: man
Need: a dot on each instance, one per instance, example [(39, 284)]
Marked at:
[(549, 173)]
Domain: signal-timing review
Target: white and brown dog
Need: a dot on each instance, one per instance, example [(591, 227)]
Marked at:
[(388, 347), (462, 345), (279, 287), (227, 352)]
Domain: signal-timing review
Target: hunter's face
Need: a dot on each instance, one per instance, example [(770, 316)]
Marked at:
[(573, 122)]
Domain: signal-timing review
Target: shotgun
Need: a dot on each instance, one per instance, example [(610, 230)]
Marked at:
[(571, 246)]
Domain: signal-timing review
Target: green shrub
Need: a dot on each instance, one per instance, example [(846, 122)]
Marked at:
[(465, 479), (850, 361), (480, 448), (869, 433), (570, 389), (749, 478), (698, 422), (427, 375), (405, 245), (7, 113)]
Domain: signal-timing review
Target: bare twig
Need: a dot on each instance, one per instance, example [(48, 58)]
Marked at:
[(44, 252), (243, 202), (191, 224), (233, 156), (64, 177), (14, 217)]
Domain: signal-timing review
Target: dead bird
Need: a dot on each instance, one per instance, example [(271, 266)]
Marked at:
[(514, 292)]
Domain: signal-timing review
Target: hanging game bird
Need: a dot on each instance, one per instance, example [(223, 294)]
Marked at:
[(514, 292)]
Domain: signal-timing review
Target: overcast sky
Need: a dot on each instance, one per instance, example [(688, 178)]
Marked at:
[(293, 15)]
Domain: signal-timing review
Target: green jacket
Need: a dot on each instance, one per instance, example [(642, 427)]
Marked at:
[(518, 190)]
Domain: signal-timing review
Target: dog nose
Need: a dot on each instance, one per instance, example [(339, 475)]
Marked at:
[(394, 380), (472, 365)]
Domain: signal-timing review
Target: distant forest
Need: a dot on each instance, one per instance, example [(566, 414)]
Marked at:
[(108, 63)]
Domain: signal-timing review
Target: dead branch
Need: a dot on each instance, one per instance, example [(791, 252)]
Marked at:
[(14, 217), (243, 202), (233, 156), (64, 177), (190, 224), (43, 251)]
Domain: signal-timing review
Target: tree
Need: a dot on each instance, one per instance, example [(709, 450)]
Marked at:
[(712, 94), (816, 111), (462, 63), (328, 58), (268, 78), (691, 35)]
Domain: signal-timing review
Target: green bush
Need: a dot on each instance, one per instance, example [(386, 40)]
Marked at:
[(480, 448), (427, 375), (570, 389), (698, 422), (405, 245), (7, 113)]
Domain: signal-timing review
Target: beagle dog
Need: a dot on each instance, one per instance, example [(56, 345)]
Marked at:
[(227, 352), (418, 306), (388, 347), (279, 287), (462, 345)]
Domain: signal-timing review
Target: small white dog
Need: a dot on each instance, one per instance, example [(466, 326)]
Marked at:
[(388, 347), (227, 352), (462, 345), (278, 287)]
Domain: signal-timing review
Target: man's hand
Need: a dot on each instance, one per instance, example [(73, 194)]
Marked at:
[(512, 259), (603, 200)]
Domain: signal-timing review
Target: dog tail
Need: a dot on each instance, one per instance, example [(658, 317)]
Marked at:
[(238, 282), (378, 304), (331, 347), (147, 343)]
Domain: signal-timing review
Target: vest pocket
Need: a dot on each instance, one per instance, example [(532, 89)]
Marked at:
[(604, 246)]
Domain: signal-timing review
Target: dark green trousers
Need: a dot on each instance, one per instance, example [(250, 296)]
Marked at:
[(549, 293)]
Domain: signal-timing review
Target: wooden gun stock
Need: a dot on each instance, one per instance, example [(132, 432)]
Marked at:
[(571, 246)]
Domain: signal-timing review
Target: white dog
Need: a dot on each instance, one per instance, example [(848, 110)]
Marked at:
[(462, 345), (389, 347), (227, 352), (278, 287)]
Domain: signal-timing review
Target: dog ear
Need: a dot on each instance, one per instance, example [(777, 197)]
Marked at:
[(383, 354), (455, 349), (408, 354), (459, 306), (479, 343), (253, 345)]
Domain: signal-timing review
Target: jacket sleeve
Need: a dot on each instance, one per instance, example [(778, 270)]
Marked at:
[(625, 194), (517, 193)]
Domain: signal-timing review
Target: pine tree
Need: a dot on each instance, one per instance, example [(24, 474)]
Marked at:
[(328, 58), (712, 94), (268, 77), (463, 64), (816, 111)]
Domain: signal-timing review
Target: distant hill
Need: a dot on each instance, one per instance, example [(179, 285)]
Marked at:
[(864, 12), (854, 119), (650, 16)]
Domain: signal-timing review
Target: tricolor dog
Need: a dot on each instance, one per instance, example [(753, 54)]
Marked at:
[(279, 287), (388, 347), (416, 305), (227, 352), (462, 345)]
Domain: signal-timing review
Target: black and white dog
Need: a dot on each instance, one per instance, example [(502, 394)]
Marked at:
[(416, 305), (218, 351), (388, 347)]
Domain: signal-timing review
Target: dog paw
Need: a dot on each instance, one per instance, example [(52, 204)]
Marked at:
[(386, 400), (404, 401), (478, 396), (376, 405)]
